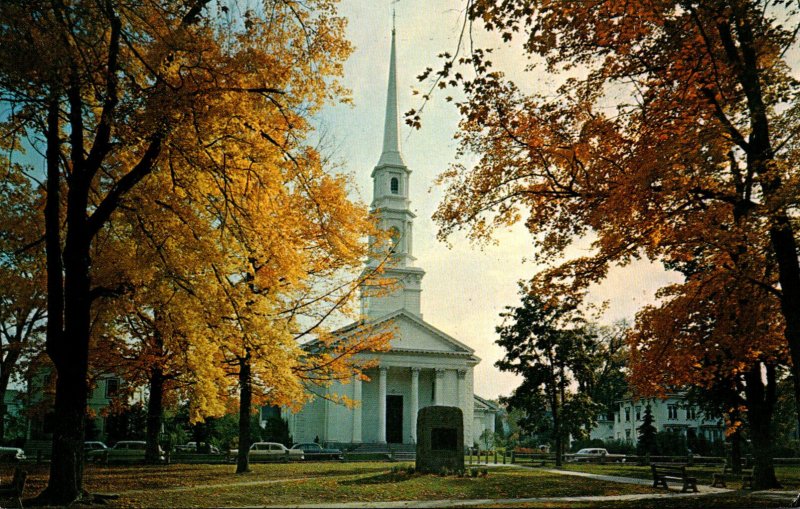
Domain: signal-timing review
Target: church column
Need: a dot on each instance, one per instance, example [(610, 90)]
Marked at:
[(462, 396), (357, 410), (438, 387), (414, 402), (462, 389), (382, 404)]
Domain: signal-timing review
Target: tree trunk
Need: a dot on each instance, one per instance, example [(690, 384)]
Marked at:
[(70, 351), (736, 451), (555, 411), (245, 404), (68, 321), (154, 415), (66, 464), (760, 157), (3, 408), (760, 401), (785, 248)]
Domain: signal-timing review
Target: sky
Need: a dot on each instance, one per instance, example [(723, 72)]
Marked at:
[(465, 287)]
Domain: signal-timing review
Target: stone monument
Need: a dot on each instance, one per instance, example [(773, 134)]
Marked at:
[(440, 439)]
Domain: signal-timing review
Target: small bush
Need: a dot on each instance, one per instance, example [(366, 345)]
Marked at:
[(473, 472)]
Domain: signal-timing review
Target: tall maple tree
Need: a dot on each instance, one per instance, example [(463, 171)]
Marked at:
[(725, 339), (118, 93), (673, 137)]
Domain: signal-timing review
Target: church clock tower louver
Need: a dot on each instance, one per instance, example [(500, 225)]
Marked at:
[(391, 205)]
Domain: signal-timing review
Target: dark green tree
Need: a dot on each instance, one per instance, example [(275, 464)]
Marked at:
[(647, 434), (549, 344), (277, 430)]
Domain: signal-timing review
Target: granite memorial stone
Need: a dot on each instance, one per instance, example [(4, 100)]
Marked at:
[(440, 439)]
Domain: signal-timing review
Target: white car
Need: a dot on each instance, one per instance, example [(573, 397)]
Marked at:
[(596, 454), (192, 447), (12, 453), (124, 450), (94, 446), (271, 451)]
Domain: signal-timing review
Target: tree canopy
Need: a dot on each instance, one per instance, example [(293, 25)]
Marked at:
[(184, 205)]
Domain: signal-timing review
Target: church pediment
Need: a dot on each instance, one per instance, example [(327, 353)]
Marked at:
[(412, 334), (415, 334)]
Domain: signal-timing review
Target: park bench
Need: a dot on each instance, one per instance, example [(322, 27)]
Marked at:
[(663, 472), (16, 487), (718, 478)]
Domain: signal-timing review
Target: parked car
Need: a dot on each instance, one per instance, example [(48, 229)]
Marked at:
[(11, 454), (595, 454), (123, 451), (270, 451), (314, 451), (192, 447), (94, 446)]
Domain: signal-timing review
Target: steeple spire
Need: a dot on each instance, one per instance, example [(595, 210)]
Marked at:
[(392, 207), (391, 139)]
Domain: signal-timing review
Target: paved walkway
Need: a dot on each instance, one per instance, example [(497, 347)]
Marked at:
[(630, 480)]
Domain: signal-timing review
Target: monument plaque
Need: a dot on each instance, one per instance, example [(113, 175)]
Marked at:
[(440, 439)]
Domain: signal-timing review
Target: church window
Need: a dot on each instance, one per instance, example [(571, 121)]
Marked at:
[(395, 185)]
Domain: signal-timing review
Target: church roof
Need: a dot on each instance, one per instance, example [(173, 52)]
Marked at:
[(454, 347), (485, 404)]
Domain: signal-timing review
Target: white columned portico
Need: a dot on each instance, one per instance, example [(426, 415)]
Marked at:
[(414, 402), (382, 404), (438, 387), (357, 409)]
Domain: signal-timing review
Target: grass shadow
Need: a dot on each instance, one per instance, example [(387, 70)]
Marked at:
[(385, 478)]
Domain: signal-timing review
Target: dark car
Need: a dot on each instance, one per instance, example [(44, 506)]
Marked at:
[(313, 451)]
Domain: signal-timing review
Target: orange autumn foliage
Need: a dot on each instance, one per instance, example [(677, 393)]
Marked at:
[(671, 137)]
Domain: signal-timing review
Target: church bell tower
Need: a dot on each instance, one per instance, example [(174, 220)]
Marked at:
[(391, 205)]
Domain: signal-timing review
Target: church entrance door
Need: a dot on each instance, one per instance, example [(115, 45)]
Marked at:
[(394, 419)]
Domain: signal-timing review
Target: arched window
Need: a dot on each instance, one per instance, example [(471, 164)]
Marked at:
[(395, 185)]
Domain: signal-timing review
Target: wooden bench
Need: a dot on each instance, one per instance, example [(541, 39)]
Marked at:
[(663, 472), (16, 487), (718, 478)]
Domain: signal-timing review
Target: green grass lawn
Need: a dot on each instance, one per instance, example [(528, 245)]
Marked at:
[(378, 484), (305, 483), (299, 483)]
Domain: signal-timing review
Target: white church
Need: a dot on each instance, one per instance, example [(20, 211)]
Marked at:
[(424, 365)]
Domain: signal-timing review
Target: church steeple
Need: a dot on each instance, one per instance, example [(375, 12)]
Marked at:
[(391, 205), (391, 140)]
